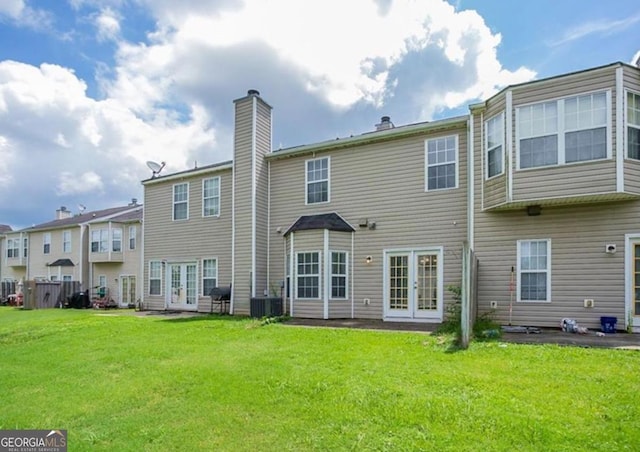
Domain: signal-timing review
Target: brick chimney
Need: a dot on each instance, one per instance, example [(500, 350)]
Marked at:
[(63, 213)]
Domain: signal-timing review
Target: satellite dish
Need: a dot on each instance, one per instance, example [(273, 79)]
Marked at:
[(155, 167), (81, 208)]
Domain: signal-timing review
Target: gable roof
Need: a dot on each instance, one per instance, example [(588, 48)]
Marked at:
[(131, 216), (331, 221), (79, 219)]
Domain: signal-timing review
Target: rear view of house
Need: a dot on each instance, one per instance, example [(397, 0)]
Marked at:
[(542, 180)]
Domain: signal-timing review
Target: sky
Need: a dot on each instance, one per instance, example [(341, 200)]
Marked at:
[(90, 90)]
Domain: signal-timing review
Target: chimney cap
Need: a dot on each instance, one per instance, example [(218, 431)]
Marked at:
[(385, 119), (253, 92), (385, 123)]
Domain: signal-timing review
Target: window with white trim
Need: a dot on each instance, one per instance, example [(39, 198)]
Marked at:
[(569, 130), (633, 125), (67, 278), (116, 240), (25, 247), (494, 145), (317, 180), (308, 275), (441, 163), (211, 197), (13, 248), (46, 243), (338, 274), (209, 275), (181, 201), (534, 270), (132, 237), (66, 241), (155, 278), (99, 240)]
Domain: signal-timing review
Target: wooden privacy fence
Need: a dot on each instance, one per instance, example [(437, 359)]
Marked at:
[(469, 293), (48, 294)]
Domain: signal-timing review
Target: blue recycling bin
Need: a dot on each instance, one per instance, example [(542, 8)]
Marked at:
[(608, 324)]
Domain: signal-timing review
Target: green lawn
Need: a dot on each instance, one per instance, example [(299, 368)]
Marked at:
[(120, 382)]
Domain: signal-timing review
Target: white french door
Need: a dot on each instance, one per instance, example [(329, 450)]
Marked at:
[(413, 285), (183, 286), (632, 283), (127, 290)]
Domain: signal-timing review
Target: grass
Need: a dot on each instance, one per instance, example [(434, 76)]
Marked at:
[(123, 382)]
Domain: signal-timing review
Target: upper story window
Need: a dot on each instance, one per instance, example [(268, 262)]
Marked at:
[(211, 197), (13, 248), (25, 247), (46, 243), (132, 237), (441, 163), (66, 241), (633, 126), (494, 145), (317, 177), (569, 130), (99, 240), (116, 240), (181, 201)]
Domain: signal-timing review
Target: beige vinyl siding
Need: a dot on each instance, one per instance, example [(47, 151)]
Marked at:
[(580, 268), (576, 179), (185, 241), (263, 146), (631, 82), (384, 182), (38, 261), (242, 168)]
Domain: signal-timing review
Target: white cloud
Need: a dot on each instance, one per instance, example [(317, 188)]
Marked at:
[(72, 184), (337, 66), (23, 15), (108, 24), (12, 8), (599, 27)]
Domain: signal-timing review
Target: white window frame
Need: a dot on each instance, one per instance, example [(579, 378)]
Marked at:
[(206, 276), (66, 241), (46, 243), (155, 274), (101, 237), (521, 270), (132, 237), (428, 165), (489, 125), (344, 275), (180, 201), (214, 197), (560, 129), (317, 275), (629, 121), (116, 240), (67, 278), (25, 247), (308, 183), (13, 248)]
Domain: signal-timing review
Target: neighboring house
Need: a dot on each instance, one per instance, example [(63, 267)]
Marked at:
[(115, 257), (58, 250), (373, 226)]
